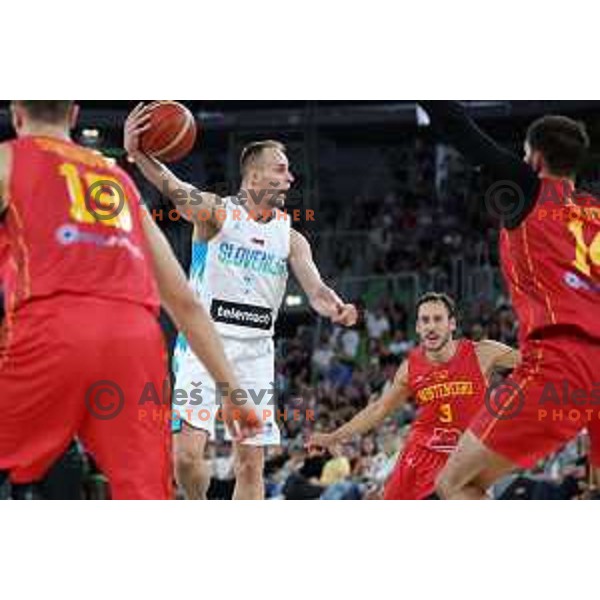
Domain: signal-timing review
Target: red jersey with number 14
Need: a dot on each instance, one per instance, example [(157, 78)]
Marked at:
[(448, 395), (551, 262), (73, 227)]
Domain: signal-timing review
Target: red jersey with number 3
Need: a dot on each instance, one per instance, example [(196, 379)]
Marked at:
[(448, 395), (551, 262), (74, 227)]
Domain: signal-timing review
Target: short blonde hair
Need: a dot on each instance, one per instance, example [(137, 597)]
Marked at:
[(252, 152)]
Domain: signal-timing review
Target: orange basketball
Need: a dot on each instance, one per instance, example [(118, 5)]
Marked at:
[(172, 132)]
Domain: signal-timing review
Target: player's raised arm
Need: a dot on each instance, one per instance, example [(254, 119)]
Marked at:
[(370, 417), (194, 322), (452, 123), (191, 203), (321, 297), (494, 355)]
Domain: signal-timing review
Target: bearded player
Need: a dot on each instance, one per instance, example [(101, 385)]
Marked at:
[(242, 246), (549, 249), (447, 378), (82, 283)]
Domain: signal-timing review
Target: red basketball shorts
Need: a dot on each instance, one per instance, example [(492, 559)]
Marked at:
[(414, 475), (549, 398), (77, 367)]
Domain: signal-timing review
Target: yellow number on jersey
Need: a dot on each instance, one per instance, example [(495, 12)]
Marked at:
[(445, 415), (584, 254), (109, 199)]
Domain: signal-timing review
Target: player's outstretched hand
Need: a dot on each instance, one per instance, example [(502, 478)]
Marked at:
[(136, 123), (347, 315), (241, 421)]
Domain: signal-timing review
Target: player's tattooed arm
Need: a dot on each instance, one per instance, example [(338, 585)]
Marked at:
[(370, 417), (321, 297), (192, 319), (495, 356), (191, 203)]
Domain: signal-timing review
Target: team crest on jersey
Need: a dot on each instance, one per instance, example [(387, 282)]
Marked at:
[(444, 440)]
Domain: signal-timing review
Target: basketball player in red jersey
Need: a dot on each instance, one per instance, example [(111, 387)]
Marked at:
[(549, 253), (447, 378), (82, 287)]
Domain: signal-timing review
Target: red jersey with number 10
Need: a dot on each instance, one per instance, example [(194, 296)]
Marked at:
[(73, 227), (448, 395), (551, 262)]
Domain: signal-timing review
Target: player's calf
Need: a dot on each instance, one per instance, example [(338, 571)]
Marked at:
[(249, 467), (192, 472)]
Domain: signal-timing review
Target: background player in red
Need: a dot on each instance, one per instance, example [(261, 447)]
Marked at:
[(84, 348), (549, 246), (447, 378)]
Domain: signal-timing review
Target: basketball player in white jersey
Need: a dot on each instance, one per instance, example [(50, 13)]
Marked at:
[(242, 246)]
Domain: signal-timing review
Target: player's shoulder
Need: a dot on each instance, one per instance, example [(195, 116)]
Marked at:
[(483, 346), (229, 206), (228, 203), (415, 353), (415, 360), (298, 242), (585, 206), (295, 234), (487, 349), (401, 377)]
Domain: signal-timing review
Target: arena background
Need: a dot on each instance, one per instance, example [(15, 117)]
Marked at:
[(395, 214)]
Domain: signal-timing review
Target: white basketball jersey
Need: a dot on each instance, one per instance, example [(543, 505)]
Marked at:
[(240, 275)]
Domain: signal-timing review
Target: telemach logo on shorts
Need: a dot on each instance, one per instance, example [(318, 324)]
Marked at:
[(245, 315)]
